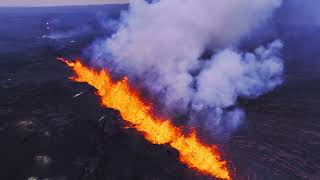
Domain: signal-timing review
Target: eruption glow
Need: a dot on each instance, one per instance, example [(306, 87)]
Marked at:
[(118, 95)]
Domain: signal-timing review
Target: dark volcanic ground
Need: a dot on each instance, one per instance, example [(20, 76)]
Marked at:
[(46, 133)]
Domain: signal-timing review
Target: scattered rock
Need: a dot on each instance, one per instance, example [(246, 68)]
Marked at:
[(47, 133), (26, 125), (43, 160), (33, 178)]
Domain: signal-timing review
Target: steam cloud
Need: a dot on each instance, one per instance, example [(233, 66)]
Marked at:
[(161, 43)]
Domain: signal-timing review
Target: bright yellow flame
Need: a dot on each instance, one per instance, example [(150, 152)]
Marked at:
[(119, 96)]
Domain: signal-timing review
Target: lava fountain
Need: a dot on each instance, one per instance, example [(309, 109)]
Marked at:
[(118, 95)]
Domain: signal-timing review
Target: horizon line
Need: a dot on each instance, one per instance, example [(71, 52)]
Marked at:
[(62, 5)]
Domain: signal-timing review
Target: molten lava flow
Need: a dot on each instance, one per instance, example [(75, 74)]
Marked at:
[(118, 95)]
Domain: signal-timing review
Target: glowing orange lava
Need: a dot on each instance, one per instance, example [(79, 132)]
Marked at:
[(118, 95)]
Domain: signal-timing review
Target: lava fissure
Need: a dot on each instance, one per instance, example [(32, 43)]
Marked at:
[(118, 95)]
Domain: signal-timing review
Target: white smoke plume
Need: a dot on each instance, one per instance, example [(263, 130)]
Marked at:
[(229, 74), (161, 43)]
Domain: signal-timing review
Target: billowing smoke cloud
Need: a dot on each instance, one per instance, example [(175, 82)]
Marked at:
[(229, 74), (162, 44)]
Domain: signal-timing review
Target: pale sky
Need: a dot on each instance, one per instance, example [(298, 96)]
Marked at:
[(57, 2)]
